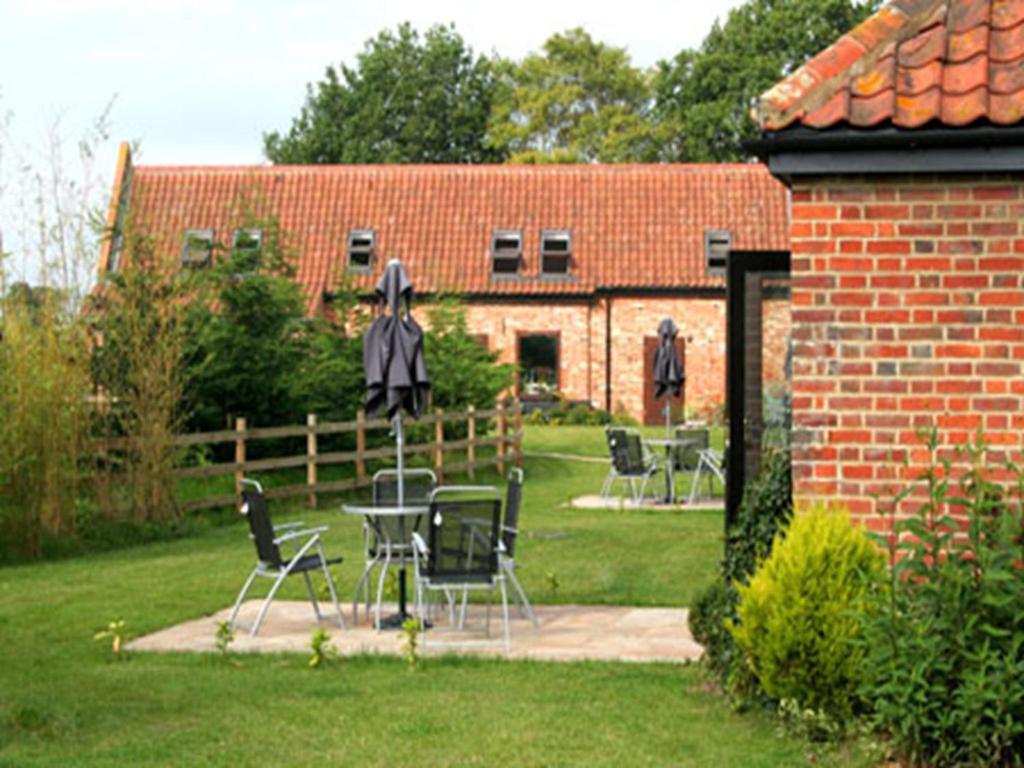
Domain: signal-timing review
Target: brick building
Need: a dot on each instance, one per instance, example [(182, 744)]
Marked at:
[(565, 270), (904, 150)]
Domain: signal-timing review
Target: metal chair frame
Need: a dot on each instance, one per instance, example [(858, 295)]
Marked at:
[(642, 466), (498, 579), (379, 548), (709, 466), (278, 571)]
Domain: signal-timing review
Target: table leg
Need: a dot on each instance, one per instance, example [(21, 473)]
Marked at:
[(668, 475)]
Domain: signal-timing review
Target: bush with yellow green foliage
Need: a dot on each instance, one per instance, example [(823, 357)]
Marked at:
[(802, 610)]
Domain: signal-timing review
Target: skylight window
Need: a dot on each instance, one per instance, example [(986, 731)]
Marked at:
[(246, 245), (555, 251), (717, 244), (197, 248), (361, 244), (506, 251)]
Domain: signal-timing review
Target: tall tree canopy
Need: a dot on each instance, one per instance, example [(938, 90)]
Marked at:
[(408, 100), (704, 96), (577, 101)]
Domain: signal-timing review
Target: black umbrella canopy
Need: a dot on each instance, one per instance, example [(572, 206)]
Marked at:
[(668, 370), (396, 373)]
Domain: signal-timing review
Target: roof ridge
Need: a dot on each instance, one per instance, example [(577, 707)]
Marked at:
[(812, 85)]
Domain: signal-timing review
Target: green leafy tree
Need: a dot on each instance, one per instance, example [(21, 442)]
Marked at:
[(704, 96), (408, 100), (578, 101)]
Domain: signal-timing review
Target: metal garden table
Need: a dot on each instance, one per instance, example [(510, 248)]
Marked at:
[(373, 514), (669, 443)]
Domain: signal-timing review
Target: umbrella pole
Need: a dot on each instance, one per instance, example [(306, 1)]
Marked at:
[(400, 442)]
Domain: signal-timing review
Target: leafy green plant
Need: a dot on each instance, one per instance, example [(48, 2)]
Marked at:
[(764, 512), (224, 637), (798, 615), (323, 651), (552, 579), (115, 633), (944, 645), (411, 643)]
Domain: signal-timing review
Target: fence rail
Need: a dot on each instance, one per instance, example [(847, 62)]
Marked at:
[(507, 443)]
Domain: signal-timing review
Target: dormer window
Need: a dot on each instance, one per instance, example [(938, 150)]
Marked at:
[(717, 244), (246, 245), (555, 251), (361, 243), (197, 249), (506, 251)]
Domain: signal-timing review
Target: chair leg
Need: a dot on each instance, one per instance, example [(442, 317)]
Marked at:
[(331, 589), (266, 604), (312, 595), (241, 597), (380, 587), (364, 584), (504, 610), (518, 588)]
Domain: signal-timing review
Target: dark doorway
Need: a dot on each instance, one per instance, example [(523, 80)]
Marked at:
[(757, 364), (654, 408), (538, 365)]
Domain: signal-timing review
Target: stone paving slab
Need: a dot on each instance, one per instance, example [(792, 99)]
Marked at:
[(596, 501), (565, 633)]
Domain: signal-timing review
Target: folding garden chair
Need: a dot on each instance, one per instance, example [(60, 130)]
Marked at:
[(383, 537), (710, 465), (629, 462), (309, 555), (461, 551), (507, 542)]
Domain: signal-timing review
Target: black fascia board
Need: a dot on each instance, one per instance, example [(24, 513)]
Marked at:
[(802, 151)]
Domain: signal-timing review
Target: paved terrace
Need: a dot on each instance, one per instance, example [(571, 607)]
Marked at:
[(566, 633)]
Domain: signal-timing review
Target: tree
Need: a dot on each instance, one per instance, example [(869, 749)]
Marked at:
[(406, 101), (578, 101), (704, 96)]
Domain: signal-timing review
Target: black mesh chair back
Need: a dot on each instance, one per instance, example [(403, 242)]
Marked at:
[(618, 447), (634, 453), (254, 507), (418, 486), (687, 457), (463, 540), (513, 501)]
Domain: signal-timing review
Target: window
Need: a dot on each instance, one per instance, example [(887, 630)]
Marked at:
[(197, 249), (506, 251), (538, 365), (245, 246), (555, 251), (360, 249), (717, 244)]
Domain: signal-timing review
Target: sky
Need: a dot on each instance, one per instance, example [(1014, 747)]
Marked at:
[(198, 82)]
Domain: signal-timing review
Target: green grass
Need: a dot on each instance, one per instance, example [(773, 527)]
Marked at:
[(65, 702)]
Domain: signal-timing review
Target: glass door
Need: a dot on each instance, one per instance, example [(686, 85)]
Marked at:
[(758, 365)]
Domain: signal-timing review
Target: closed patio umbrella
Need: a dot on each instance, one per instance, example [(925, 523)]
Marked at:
[(396, 375), (668, 369)]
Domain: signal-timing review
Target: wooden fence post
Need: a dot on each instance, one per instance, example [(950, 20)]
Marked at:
[(311, 458), (518, 439), (239, 456), (502, 430), (360, 446), (471, 439), (439, 445)]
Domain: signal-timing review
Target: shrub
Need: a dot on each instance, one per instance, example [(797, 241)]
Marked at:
[(799, 613), (945, 645), (765, 510)]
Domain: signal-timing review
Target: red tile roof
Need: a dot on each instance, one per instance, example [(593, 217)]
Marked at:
[(914, 62), (632, 225)]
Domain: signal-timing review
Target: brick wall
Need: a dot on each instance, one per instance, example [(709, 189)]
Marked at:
[(908, 312)]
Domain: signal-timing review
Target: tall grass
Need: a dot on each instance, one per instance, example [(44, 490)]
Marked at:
[(44, 410)]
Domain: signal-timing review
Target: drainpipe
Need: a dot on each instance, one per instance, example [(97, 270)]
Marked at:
[(608, 353)]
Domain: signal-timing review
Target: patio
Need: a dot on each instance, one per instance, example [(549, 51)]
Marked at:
[(566, 633)]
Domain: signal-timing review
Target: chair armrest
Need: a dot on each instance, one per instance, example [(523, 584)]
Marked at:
[(419, 544), (300, 534), (288, 526)]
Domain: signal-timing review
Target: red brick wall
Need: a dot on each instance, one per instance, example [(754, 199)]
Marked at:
[(908, 312)]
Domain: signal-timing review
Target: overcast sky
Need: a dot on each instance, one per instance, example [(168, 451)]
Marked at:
[(199, 81)]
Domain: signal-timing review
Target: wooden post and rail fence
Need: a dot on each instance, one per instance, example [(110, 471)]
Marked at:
[(506, 441)]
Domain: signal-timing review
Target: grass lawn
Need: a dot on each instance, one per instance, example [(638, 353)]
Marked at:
[(65, 702)]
